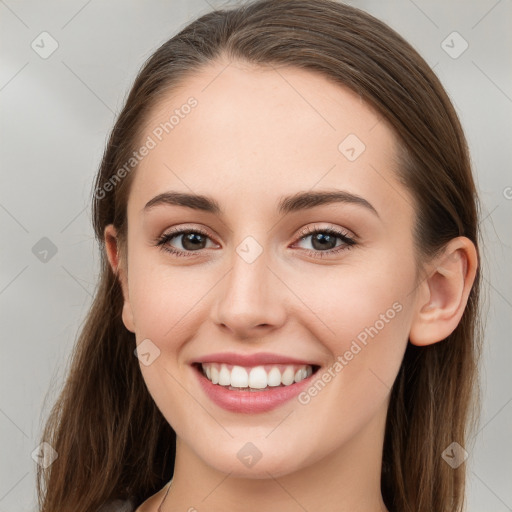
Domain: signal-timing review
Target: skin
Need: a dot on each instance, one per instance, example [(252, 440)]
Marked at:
[(256, 135)]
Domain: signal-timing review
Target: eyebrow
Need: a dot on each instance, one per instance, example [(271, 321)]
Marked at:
[(288, 204)]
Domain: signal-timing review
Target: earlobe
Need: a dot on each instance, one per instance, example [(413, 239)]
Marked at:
[(112, 250), (443, 295)]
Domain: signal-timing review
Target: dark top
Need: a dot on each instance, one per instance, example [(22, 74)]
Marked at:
[(117, 506)]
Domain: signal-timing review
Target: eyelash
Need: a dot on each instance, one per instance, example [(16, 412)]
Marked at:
[(348, 242)]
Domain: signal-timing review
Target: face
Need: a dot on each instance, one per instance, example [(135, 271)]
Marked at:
[(325, 282)]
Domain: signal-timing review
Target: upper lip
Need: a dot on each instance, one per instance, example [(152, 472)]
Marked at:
[(258, 359)]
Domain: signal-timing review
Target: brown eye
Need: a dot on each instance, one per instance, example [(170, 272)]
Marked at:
[(325, 241), (191, 240)]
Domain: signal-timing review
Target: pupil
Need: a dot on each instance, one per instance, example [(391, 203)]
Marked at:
[(322, 238), (194, 239)]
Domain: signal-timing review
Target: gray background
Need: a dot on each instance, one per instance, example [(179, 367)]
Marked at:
[(56, 115)]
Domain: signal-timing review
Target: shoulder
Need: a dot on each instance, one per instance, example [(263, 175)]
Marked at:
[(150, 505)]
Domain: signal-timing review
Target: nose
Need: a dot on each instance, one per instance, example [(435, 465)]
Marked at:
[(251, 299)]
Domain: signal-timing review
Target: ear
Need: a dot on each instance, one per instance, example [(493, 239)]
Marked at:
[(118, 267), (442, 297)]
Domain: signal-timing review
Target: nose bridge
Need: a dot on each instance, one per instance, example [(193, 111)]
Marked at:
[(249, 297)]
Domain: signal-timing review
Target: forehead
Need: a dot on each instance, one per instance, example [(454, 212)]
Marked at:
[(266, 131)]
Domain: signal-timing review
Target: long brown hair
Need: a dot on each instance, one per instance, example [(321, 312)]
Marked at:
[(112, 441)]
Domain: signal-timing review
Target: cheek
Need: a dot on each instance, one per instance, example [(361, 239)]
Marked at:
[(363, 316), (348, 299), (167, 300)]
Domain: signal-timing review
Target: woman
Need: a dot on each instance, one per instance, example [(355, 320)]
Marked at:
[(287, 314)]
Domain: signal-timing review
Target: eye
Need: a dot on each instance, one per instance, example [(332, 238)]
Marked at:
[(191, 240), (324, 241)]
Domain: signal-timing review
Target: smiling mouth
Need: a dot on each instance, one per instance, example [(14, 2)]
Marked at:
[(255, 379)]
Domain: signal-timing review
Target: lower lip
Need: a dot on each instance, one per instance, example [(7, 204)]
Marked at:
[(249, 402)]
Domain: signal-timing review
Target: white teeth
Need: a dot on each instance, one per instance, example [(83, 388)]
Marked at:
[(215, 375), (224, 376), (237, 378), (301, 374), (274, 377), (288, 376), (256, 377)]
